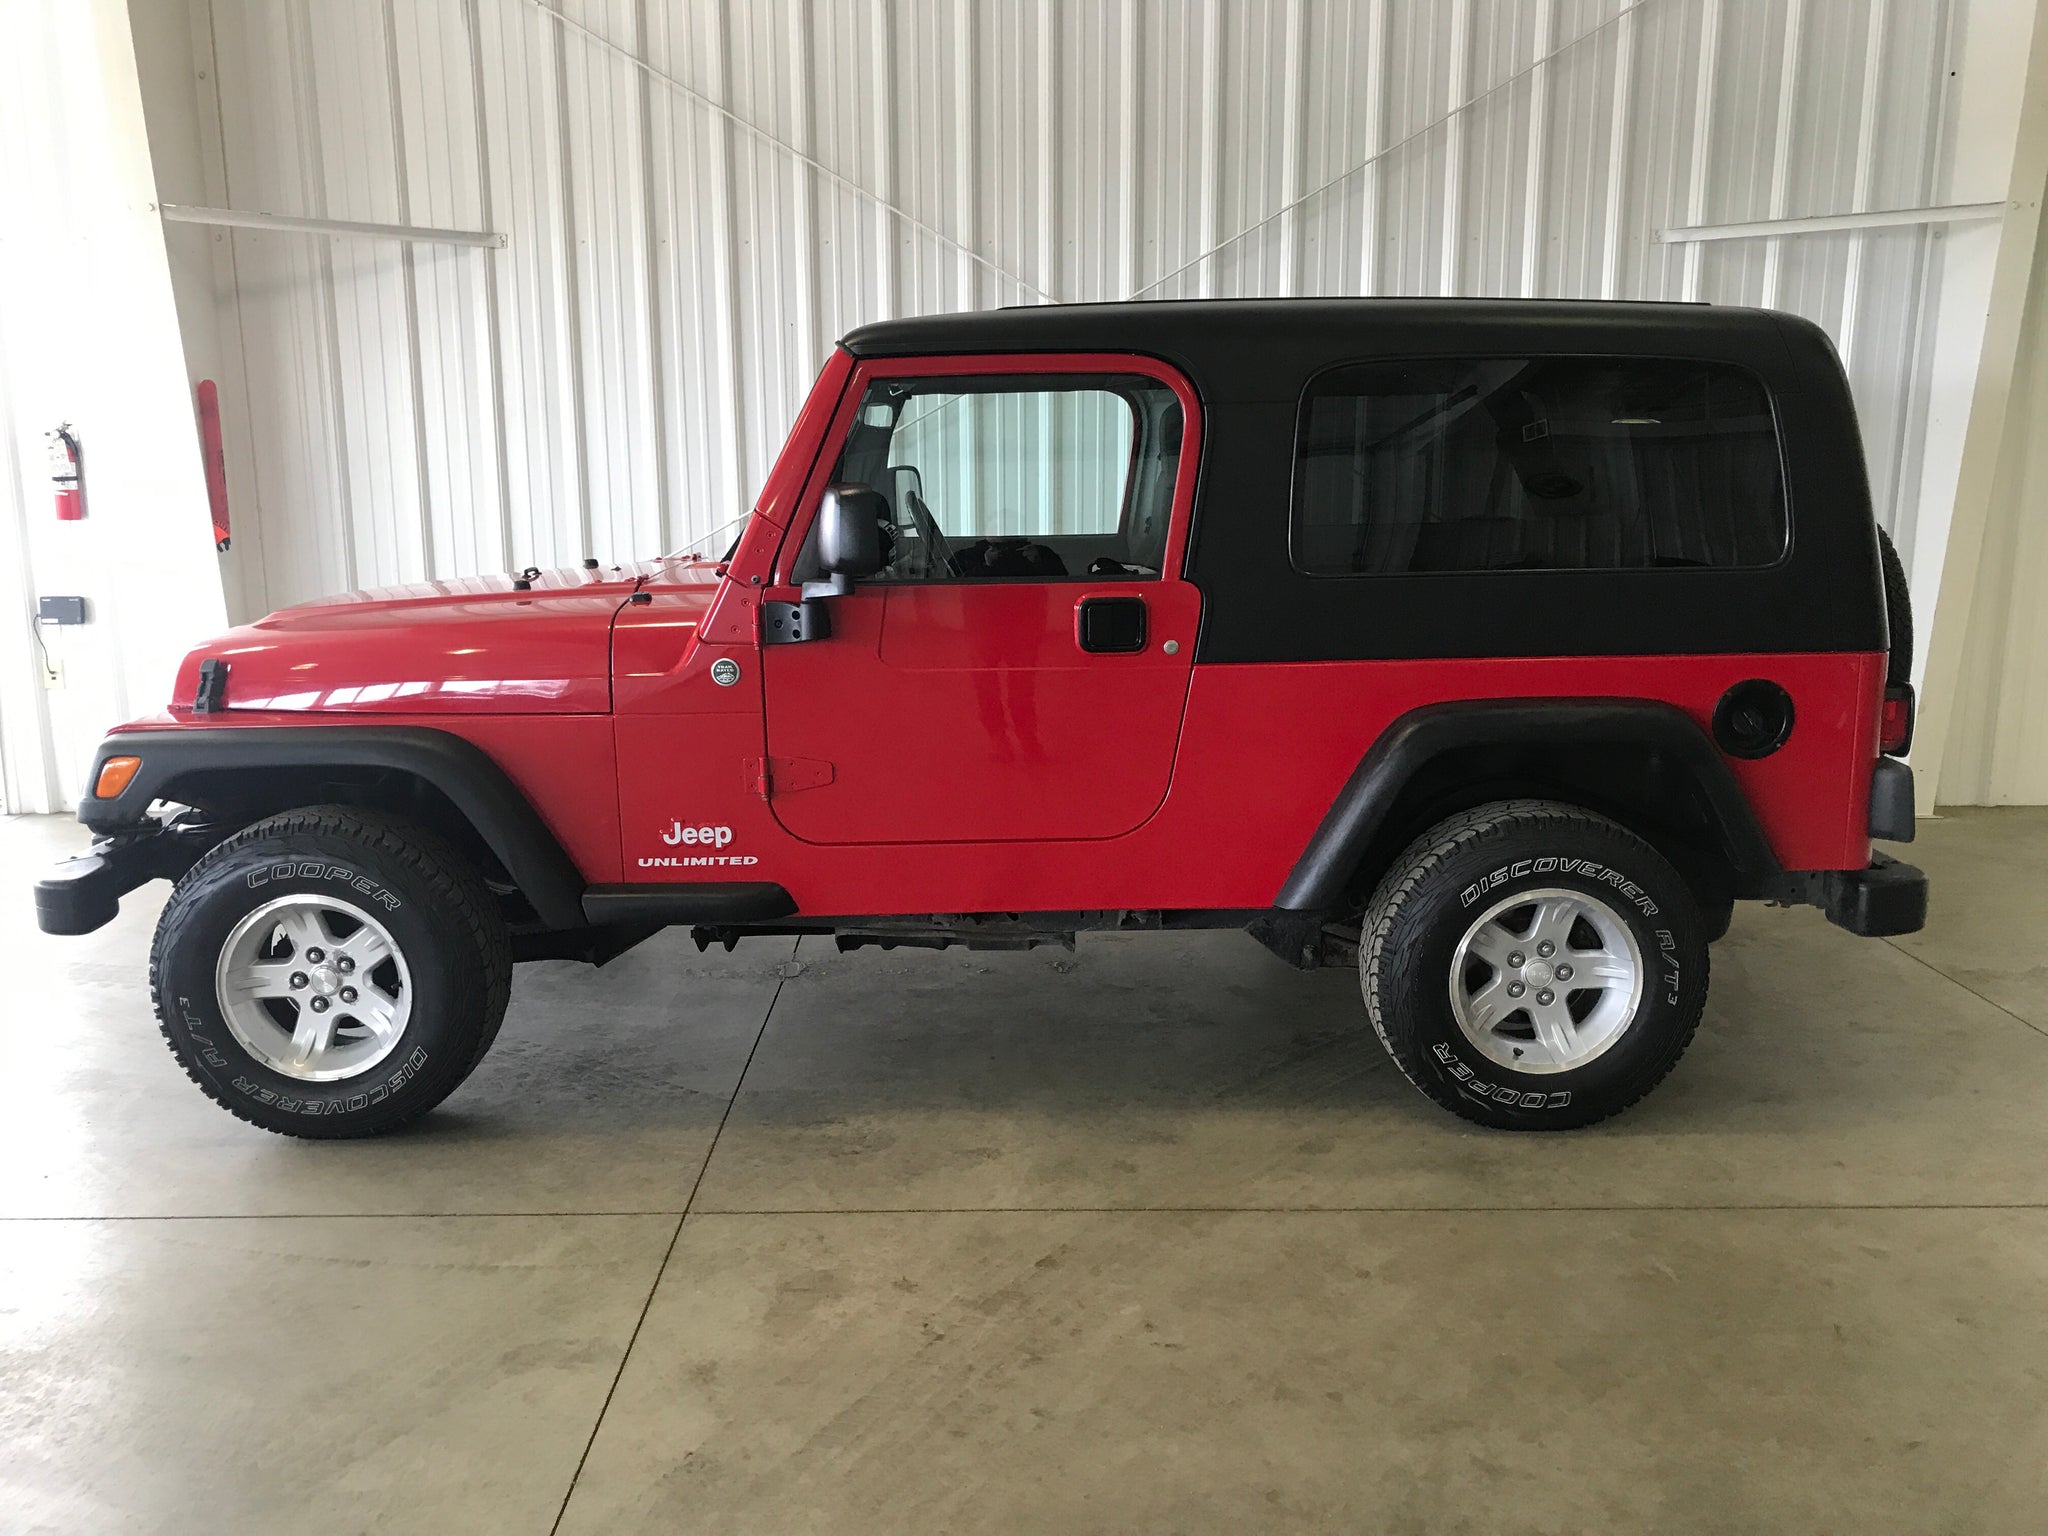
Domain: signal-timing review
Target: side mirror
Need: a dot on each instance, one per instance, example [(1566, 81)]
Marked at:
[(850, 534)]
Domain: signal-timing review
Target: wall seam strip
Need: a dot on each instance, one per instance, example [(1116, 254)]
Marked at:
[(409, 289), (494, 355), (1399, 144)]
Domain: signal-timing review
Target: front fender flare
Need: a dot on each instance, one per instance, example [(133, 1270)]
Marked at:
[(459, 769), (1326, 866)]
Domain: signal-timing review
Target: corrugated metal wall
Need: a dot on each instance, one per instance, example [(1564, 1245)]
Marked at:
[(1998, 741), (699, 195)]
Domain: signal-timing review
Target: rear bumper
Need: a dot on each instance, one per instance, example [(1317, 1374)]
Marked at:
[(84, 893), (1887, 899)]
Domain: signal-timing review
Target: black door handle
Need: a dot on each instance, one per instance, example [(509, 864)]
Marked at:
[(1111, 624)]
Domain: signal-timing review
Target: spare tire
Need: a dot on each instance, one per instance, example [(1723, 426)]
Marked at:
[(1898, 612)]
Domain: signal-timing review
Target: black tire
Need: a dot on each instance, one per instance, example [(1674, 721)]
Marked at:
[(437, 911), (1437, 891), (1898, 612)]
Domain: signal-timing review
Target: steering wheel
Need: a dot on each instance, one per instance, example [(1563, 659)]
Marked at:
[(938, 553)]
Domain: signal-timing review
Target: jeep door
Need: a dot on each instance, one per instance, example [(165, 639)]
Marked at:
[(1018, 669)]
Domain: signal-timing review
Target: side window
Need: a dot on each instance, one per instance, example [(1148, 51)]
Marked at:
[(1552, 463), (1026, 477)]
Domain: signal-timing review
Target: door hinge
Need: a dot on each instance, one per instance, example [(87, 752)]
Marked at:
[(794, 623), (767, 776)]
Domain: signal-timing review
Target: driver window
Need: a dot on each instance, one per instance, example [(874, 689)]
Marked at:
[(1031, 478)]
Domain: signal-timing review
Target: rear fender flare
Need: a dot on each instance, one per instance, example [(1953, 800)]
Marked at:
[(459, 769), (1347, 830)]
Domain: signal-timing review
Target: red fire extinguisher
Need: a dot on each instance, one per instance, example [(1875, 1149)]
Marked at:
[(67, 474)]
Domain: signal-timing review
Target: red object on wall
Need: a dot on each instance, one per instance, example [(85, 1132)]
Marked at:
[(215, 460), (67, 474)]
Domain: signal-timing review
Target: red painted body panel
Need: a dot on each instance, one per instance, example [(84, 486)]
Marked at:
[(683, 741), (1263, 752), (960, 713), (477, 645)]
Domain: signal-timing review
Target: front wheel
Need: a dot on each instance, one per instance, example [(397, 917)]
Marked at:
[(330, 972), (1533, 966)]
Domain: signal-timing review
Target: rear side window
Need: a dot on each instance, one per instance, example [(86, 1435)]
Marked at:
[(1547, 463)]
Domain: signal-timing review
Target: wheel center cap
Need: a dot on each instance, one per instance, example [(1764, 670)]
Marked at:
[(325, 980), (1538, 973)]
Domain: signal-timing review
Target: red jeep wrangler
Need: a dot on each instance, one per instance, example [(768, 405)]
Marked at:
[(1497, 647)]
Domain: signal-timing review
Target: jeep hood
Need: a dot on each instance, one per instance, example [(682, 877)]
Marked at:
[(467, 645)]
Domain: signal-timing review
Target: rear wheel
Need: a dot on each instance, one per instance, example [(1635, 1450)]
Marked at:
[(330, 972), (1532, 966)]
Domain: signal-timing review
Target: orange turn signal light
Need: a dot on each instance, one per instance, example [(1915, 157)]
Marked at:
[(116, 774)]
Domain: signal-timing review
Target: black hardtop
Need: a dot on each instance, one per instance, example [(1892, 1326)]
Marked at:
[(1265, 349), (1251, 361)]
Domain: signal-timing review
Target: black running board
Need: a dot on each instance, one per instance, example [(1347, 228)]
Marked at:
[(732, 901)]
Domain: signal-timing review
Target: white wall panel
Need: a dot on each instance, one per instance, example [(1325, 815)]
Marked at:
[(88, 335), (1998, 743), (700, 195)]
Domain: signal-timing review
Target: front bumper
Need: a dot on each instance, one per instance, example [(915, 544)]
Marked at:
[(1887, 899), (84, 892)]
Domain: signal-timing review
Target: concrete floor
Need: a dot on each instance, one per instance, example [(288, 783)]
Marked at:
[(1147, 1237)]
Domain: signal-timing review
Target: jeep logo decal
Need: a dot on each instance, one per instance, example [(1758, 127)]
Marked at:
[(715, 837)]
